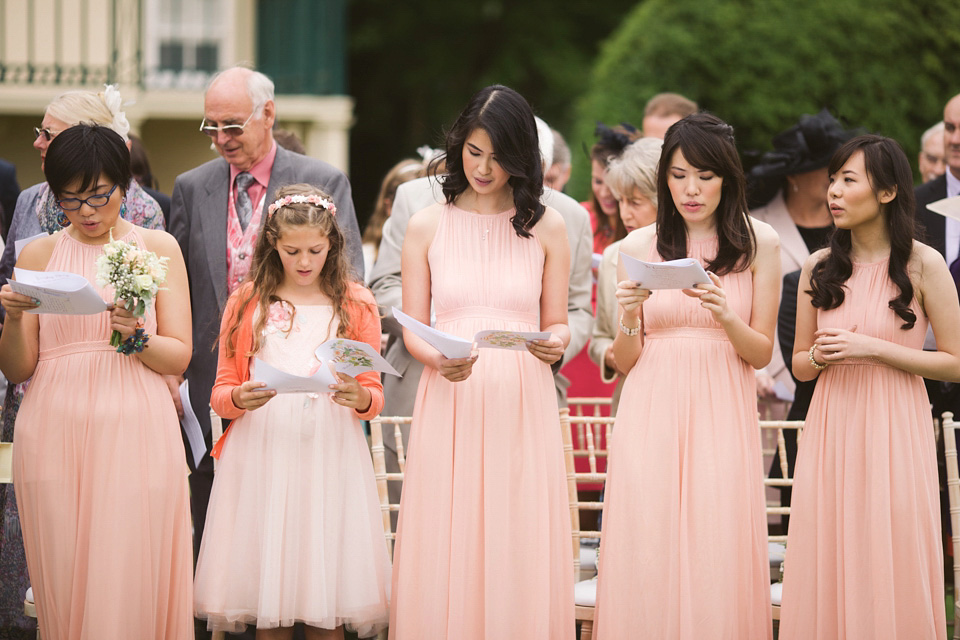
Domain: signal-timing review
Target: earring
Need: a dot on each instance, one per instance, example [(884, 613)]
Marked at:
[(62, 218), (123, 210), (796, 187)]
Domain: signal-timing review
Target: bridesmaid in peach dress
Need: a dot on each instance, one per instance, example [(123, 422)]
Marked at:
[(98, 465), (863, 555), (684, 548), (483, 545)]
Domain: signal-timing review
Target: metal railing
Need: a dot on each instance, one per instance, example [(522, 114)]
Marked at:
[(71, 42)]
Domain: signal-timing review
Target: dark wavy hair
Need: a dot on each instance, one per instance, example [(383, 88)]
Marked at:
[(707, 143), (84, 152), (887, 167), (266, 273), (508, 119)]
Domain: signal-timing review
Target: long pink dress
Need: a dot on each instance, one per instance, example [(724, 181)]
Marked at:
[(483, 546), (684, 547), (863, 555), (101, 481)]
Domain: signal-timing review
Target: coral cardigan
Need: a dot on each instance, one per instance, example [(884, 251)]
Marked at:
[(232, 371)]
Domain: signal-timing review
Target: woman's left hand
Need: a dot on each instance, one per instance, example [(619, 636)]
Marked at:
[(123, 321), (712, 297), (350, 393), (549, 350), (834, 345)]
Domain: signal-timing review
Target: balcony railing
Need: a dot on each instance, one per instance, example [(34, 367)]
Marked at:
[(71, 42)]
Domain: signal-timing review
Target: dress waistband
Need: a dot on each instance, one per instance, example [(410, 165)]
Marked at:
[(487, 313), (702, 333), (92, 346), (870, 362)]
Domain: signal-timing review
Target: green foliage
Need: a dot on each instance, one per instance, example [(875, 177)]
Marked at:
[(885, 65), (415, 64)]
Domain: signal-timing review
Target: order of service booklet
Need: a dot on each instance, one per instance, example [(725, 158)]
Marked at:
[(685, 273), (452, 346)]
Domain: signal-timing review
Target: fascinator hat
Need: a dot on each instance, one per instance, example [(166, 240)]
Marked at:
[(806, 146)]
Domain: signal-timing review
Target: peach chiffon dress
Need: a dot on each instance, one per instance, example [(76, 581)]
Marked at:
[(483, 546), (684, 547), (864, 557), (101, 481)]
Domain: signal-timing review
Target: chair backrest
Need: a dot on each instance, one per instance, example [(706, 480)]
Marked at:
[(786, 480), (590, 439), (6, 462), (377, 426)]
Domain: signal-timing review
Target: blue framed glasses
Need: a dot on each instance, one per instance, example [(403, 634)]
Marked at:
[(97, 201)]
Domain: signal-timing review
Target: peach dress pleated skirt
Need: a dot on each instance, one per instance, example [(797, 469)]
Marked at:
[(864, 556), (101, 481), (483, 546), (293, 531), (684, 547)]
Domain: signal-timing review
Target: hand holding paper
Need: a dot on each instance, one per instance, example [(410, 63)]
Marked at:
[(453, 347), (59, 292)]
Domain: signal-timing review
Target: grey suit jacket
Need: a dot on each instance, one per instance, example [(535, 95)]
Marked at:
[(198, 220), (385, 281)]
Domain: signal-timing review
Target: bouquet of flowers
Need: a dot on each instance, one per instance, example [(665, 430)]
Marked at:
[(134, 274)]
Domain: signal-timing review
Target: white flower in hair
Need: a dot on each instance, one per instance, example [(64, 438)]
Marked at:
[(114, 102)]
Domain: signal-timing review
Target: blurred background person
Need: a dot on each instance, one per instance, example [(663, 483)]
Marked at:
[(602, 205), (140, 165), (633, 180), (404, 171), (788, 190), (9, 192), (558, 173), (930, 161), (662, 110), (289, 141)]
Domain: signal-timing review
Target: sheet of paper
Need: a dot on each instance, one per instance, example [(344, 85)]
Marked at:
[(283, 382), (353, 357), (58, 292), (191, 426), (685, 273), (948, 207), (448, 344), (781, 392), (595, 260), (20, 244), (512, 340)]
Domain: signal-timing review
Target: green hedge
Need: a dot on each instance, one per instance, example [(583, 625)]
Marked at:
[(886, 65)]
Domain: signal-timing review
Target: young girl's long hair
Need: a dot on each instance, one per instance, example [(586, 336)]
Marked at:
[(887, 168), (707, 143), (266, 273), (508, 119)]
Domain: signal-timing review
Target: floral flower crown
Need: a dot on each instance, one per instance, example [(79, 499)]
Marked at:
[(314, 200)]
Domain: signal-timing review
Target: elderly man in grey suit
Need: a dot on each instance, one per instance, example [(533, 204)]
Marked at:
[(412, 196), (217, 212)]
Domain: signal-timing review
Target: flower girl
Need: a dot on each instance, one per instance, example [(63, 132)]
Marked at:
[(293, 532)]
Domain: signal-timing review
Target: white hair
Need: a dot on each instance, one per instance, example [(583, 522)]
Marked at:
[(104, 108), (545, 136), (932, 131), (260, 88)]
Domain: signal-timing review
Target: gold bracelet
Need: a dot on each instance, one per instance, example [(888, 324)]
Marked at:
[(813, 361), (627, 331)]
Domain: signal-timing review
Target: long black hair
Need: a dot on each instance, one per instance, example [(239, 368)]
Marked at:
[(508, 119), (887, 168), (85, 152), (707, 143)]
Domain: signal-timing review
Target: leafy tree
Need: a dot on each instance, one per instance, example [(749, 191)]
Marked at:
[(414, 65), (885, 65)]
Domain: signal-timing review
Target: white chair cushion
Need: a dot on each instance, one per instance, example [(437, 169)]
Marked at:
[(585, 593), (776, 592), (588, 558), (29, 596), (776, 551)]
